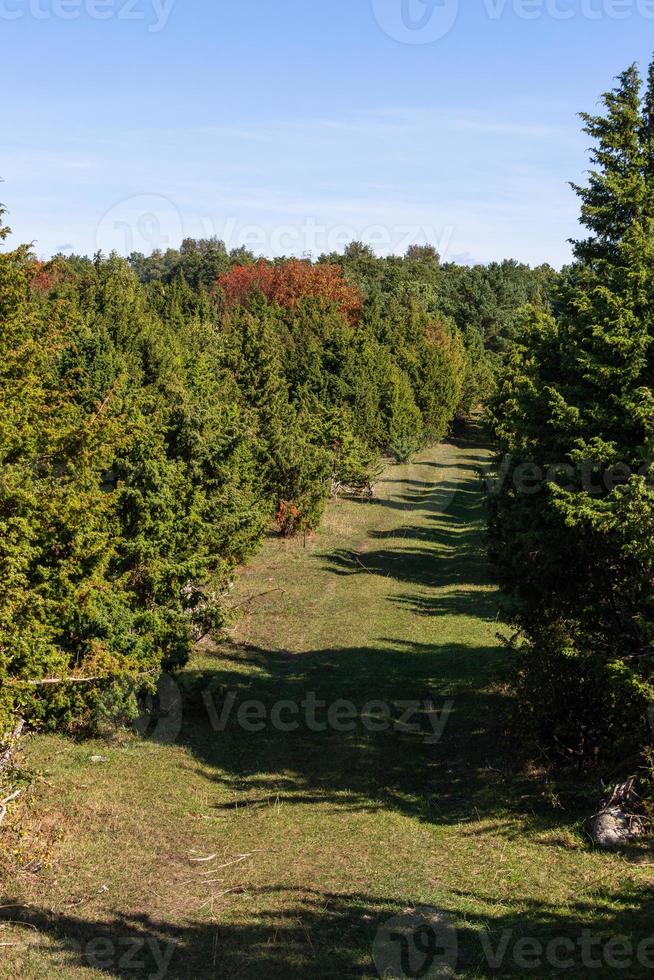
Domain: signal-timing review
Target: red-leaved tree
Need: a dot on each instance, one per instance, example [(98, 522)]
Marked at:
[(290, 282), (43, 276)]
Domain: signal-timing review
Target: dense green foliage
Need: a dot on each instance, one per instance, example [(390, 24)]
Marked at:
[(573, 520), (129, 484), (157, 414)]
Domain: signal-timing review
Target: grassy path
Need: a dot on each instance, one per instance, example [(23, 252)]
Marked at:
[(316, 837)]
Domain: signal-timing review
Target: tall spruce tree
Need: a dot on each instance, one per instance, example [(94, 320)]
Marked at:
[(613, 199), (575, 401)]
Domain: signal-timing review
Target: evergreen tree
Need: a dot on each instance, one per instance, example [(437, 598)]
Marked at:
[(575, 401), (613, 199), (404, 420)]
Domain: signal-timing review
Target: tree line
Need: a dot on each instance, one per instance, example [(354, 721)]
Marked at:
[(159, 414)]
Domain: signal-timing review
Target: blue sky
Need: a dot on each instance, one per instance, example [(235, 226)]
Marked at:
[(296, 125)]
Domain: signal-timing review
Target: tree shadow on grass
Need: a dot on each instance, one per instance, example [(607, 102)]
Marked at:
[(456, 563), (438, 552), (429, 497), (455, 602), (449, 766), (443, 554), (280, 933), (408, 728)]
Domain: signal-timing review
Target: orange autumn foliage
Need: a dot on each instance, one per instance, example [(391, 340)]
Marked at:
[(43, 276), (288, 518), (290, 282)]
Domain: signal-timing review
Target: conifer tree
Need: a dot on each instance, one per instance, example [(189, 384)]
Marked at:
[(404, 420), (575, 401), (613, 199)]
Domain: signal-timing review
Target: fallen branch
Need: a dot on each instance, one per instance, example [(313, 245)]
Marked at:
[(10, 742), (251, 598), (241, 857), (236, 860), (8, 799), (86, 899), (622, 793), (54, 680), (73, 680), (365, 491)]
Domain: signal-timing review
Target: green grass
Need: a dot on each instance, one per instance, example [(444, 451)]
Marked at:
[(320, 837)]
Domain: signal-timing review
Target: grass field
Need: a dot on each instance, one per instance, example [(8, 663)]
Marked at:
[(267, 853)]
